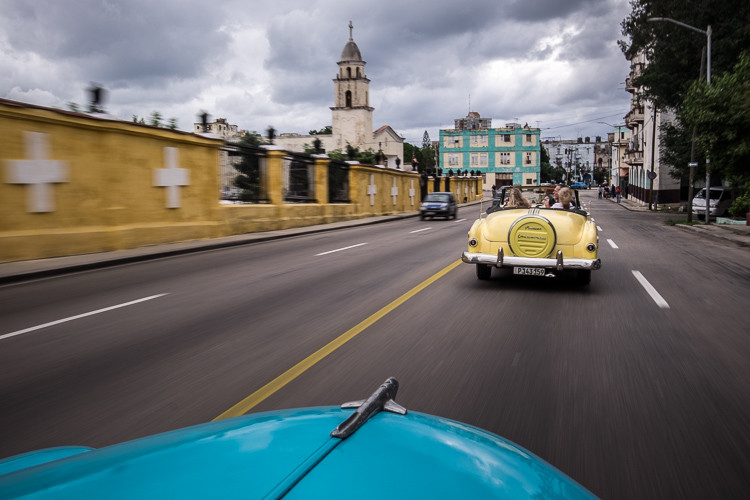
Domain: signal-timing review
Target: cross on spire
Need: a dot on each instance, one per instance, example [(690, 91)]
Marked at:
[(351, 27)]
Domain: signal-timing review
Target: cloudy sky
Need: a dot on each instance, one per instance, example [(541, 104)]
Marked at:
[(549, 63)]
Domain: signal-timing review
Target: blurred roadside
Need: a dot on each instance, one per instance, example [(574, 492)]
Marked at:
[(30, 269), (735, 233)]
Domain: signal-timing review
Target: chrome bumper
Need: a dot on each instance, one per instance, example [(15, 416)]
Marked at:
[(557, 263)]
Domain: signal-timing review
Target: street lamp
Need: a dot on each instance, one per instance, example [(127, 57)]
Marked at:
[(706, 32)]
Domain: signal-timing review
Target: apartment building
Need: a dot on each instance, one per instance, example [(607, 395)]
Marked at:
[(502, 156)]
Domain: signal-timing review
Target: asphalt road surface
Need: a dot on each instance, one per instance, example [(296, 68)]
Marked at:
[(637, 386)]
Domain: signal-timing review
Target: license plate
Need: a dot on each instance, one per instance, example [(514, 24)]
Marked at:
[(530, 271)]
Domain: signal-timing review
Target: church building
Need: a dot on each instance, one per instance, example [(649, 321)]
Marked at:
[(351, 114)]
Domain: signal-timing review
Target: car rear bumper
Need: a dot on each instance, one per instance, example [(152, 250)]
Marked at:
[(558, 263)]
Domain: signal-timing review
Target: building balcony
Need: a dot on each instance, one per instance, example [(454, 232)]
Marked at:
[(634, 157), (634, 117)]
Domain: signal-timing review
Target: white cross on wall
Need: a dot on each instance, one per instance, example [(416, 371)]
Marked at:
[(38, 172), (412, 193), (394, 191), (372, 189), (171, 177)]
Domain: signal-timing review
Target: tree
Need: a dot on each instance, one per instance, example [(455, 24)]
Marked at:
[(366, 157), (721, 113), (547, 171), (327, 130), (172, 125), (668, 80), (155, 119)]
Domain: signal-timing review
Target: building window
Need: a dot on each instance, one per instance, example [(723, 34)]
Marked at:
[(483, 159), (474, 159), (453, 159), (528, 158), (474, 139), (529, 139), (504, 158), (348, 98), (506, 138)]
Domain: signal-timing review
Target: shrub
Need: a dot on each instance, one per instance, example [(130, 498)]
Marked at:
[(741, 206)]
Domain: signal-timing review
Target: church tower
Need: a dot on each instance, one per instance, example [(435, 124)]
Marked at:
[(352, 114)]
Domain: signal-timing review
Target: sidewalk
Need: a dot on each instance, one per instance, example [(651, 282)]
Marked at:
[(735, 233)]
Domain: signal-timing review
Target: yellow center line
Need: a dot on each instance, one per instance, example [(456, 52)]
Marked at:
[(295, 371)]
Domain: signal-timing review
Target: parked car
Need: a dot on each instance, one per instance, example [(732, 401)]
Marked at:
[(373, 448), (721, 199), (439, 204), (580, 185), (535, 241)]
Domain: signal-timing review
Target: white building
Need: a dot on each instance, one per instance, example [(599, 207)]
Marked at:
[(352, 115), (646, 171)]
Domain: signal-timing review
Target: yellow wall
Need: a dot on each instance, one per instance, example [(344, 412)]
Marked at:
[(108, 200)]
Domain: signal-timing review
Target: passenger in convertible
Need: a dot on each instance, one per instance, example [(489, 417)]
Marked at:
[(517, 200), (565, 199)]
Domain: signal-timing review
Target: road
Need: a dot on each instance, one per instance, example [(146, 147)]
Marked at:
[(637, 386)]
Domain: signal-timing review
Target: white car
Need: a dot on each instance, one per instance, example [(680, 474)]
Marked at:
[(721, 200)]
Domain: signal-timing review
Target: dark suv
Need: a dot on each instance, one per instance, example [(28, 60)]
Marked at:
[(440, 204)]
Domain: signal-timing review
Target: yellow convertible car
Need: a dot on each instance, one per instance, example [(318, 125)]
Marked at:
[(532, 239)]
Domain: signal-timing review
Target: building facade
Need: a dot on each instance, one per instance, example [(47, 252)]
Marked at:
[(503, 156), (646, 173), (575, 159)]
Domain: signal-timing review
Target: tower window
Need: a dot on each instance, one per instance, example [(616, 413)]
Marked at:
[(348, 72), (348, 98)]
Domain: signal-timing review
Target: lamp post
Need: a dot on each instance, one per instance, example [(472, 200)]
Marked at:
[(706, 32)]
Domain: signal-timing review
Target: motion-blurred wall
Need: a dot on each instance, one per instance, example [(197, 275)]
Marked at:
[(74, 183)]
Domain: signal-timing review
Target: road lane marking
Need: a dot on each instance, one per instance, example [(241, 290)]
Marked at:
[(651, 290), (340, 249), (79, 316), (295, 371), (612, 244), (420, 230), (460, 220), (598, 228)]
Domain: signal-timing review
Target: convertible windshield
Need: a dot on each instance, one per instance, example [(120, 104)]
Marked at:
[(437, 197)]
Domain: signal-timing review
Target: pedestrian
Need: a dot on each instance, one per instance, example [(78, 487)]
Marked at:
[(618, 192), (601, 191), (494, 191)]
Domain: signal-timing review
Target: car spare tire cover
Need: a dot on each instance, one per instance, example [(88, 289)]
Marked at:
[(532, 236)]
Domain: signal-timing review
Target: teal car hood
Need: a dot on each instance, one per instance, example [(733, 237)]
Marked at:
[(292, 453)]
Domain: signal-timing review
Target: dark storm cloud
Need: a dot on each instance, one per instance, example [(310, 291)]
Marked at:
[(113, 41), (273, 63)]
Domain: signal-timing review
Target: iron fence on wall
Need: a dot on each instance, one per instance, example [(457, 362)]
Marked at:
[(298, 178), (338, 181), (247, 174)]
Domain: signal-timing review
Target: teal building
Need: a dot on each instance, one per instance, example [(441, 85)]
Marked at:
[(503, 156)]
